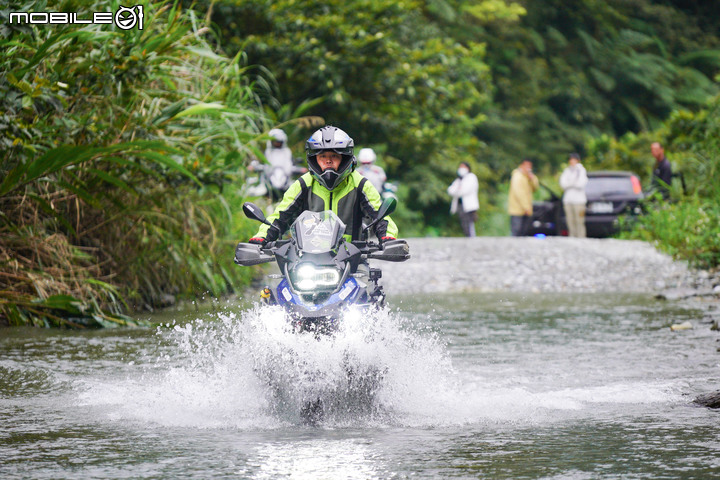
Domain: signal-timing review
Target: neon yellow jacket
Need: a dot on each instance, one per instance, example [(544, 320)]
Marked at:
[(347, 200)]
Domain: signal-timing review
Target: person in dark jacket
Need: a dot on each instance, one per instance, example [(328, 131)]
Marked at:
[(662, 173), (331, 184)]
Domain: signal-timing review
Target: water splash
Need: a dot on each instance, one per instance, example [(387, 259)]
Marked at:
[(250, 370)]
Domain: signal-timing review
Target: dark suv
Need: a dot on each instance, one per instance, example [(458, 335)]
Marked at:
[(609, 195)]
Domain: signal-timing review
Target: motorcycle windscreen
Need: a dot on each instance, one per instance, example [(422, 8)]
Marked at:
[(318, 232)]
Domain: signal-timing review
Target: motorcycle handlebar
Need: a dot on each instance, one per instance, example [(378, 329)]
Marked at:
[(270, 247), (364, 246)]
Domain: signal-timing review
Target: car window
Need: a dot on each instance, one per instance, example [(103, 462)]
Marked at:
[(602, 186)]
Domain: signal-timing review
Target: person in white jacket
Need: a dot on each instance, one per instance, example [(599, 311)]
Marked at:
[(277, 153), (368, 169), (464, 193), (573, 181)]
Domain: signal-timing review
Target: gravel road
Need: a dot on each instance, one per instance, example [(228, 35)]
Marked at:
[(557, 264)]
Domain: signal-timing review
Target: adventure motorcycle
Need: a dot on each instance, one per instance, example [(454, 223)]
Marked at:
[(322, 274), (323, 277), (271, 181)]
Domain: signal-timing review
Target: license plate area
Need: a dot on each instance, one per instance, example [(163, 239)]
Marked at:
[(601, 207)]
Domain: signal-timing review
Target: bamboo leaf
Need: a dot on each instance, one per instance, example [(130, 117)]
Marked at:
[(67, 303), (43, 50), (169, 112), (113, 181), (206, 53), (170, 163), (200, 109)]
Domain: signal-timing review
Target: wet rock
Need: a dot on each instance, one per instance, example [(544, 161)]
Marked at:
[(166, 300), (681, 326), (676, 294), (710, 400), (682, 293)]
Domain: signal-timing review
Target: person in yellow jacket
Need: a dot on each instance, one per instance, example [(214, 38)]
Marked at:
[(523, 183), (331, 184)]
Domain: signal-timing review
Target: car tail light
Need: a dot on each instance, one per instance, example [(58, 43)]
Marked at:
[(637, 189)]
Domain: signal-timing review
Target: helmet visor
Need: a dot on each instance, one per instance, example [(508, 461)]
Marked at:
[(342, 151)]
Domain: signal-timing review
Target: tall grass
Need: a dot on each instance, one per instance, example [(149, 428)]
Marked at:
[(122, 153)]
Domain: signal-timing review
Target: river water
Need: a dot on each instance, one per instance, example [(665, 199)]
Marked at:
[(492, 385)]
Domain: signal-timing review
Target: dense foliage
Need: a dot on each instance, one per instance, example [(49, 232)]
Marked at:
[(687, 227), (116, 145), (391, 74), (573, 71), (430, 83)]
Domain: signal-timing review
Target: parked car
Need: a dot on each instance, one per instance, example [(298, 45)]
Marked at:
[(610, 195)]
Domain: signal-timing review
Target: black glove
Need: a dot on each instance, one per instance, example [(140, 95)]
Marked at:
[(258, 241), (382, 235), (272, 234)]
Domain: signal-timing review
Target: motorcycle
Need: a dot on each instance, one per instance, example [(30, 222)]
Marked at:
[(322, 274), (322, 278), (271, 181)]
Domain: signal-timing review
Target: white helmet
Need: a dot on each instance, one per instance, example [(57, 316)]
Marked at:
[(277, 135), (367, 156)]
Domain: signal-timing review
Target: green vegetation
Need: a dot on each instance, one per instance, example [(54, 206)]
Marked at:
[(430, 83), (688, 227), (398, 76), (122, 155), (123, 152)]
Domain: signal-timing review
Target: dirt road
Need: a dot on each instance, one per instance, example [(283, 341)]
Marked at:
[(559, 264)]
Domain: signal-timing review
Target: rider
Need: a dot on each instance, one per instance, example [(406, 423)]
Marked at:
[(277, 153), (331, 184), (374, 174)]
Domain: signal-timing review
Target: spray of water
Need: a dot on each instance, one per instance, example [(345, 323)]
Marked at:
[(251, 370)]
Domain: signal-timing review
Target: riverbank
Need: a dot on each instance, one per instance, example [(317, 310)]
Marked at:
[(555, 264)]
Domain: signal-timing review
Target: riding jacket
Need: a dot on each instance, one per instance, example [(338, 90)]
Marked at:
[(354, 200)]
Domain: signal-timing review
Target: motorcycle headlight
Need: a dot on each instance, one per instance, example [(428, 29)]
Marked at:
[(306, 277)]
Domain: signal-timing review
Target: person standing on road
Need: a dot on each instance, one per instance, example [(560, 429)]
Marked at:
[(464, 193), (523, 184), (662, 173), (573, 181)]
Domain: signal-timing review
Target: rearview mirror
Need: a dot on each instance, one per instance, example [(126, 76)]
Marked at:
[(254, 212), (388, 206)]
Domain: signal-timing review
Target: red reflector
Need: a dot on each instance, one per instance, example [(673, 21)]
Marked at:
[(637, 189)]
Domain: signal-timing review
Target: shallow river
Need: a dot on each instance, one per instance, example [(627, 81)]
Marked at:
[(499, 385)]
